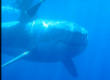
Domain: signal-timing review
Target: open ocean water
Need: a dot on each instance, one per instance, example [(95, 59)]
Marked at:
[(92, 64)]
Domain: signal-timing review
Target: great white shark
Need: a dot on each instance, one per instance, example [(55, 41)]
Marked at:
[(42, 40)]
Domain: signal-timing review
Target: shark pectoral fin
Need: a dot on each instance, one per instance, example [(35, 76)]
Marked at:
[(69, 64), (32, 11), (15, 58)]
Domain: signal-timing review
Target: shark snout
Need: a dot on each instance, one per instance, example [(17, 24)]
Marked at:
[(84, 34), (79, 38)]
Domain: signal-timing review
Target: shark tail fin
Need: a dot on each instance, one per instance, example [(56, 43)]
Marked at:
[(33, 10), (70, 67)]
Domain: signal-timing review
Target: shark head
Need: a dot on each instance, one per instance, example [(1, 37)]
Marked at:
[(57, 39)]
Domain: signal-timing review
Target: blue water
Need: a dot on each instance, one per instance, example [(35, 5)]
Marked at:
[(92, 64)]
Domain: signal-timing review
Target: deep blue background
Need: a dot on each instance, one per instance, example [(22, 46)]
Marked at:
[(92, 64)]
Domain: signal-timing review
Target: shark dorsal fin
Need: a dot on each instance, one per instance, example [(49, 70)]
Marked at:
[(33, 10)]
